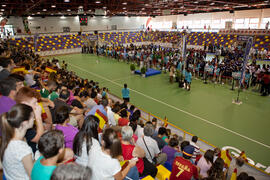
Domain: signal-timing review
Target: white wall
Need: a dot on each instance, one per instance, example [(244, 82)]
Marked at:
[(56, 24), (258, 13)]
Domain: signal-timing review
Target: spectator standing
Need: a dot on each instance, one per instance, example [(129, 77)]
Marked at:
[(125, 93)]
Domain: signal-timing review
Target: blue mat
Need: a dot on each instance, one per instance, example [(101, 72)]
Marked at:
[(150, 72)]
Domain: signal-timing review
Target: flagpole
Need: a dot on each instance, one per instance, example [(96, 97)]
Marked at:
[(247, 49)]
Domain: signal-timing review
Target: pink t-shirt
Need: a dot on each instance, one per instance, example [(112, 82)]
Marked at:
[(71, 97), (204, 167), (69, 132)]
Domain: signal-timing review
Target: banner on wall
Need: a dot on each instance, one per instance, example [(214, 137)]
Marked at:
[(243, 38), (248, 47), (148, 24), (184, 49), (26, 26), (35, 42)]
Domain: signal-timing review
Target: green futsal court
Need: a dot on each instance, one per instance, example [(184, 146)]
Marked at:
[(206, 110)]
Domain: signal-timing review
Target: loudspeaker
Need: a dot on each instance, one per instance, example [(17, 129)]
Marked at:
[(95, 32)]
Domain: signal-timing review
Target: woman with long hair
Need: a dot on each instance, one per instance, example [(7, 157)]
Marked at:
[(104, 163), (206, 162), (29, 96), (216, 170), (86, 140), (16, 155)]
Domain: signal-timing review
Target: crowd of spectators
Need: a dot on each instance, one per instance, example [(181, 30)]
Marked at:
[(56, 125), (214, 62)]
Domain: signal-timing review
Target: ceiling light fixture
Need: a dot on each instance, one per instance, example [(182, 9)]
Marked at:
[(124, 3), (104, 7), (44, 10), (66, 1), (124, 8), (68, 10), (2, 9), (3, 5), (53, 6), (98, 2), (196, 2), (212, 4)]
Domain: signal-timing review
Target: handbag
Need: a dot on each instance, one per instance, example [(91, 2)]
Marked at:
[(154, 160)]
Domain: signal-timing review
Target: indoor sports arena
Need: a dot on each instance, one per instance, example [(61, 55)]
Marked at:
[(134, 89)]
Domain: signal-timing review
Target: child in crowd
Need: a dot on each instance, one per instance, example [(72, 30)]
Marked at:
[(16, 155), (69, 131), (51, 146)]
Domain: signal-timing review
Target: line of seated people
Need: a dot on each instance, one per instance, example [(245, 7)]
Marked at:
[(60, 123)]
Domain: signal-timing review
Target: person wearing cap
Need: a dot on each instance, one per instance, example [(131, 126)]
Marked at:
[(182, 168)]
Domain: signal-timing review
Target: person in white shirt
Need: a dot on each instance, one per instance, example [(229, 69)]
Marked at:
[(29, 77), (197, 151), (90, 103), (110, 114), (150, 146), (104, 163), (86, 140), (16, 155)]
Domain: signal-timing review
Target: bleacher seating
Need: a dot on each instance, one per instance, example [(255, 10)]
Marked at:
[(57, 42)]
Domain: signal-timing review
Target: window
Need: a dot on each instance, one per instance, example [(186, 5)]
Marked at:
[(167, 24), (264, 22), (253, 23), (239, 21), (216, 24)]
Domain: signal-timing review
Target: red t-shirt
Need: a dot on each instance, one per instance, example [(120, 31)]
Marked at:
[(123, 122), (266, 79), (127, 155), (183, 169)]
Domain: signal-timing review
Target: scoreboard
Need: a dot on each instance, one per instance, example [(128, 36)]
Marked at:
[(83, 20)]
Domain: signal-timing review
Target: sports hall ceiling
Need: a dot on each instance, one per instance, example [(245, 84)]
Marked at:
[(123, 7)]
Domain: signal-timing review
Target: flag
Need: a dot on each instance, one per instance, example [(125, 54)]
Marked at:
[(243, 156), (243, 73), (43, 112), (124, 164), (102, 119), (225, 155), (184, 49), (35, 42), (234, 174), (50, 70), (165, 122), (19, 69)]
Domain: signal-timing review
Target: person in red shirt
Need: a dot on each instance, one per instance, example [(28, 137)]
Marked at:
[(123, 121), (265, 90), (182, 168)]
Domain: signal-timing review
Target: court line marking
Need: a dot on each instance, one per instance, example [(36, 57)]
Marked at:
[(173, 107), (118, 79)]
